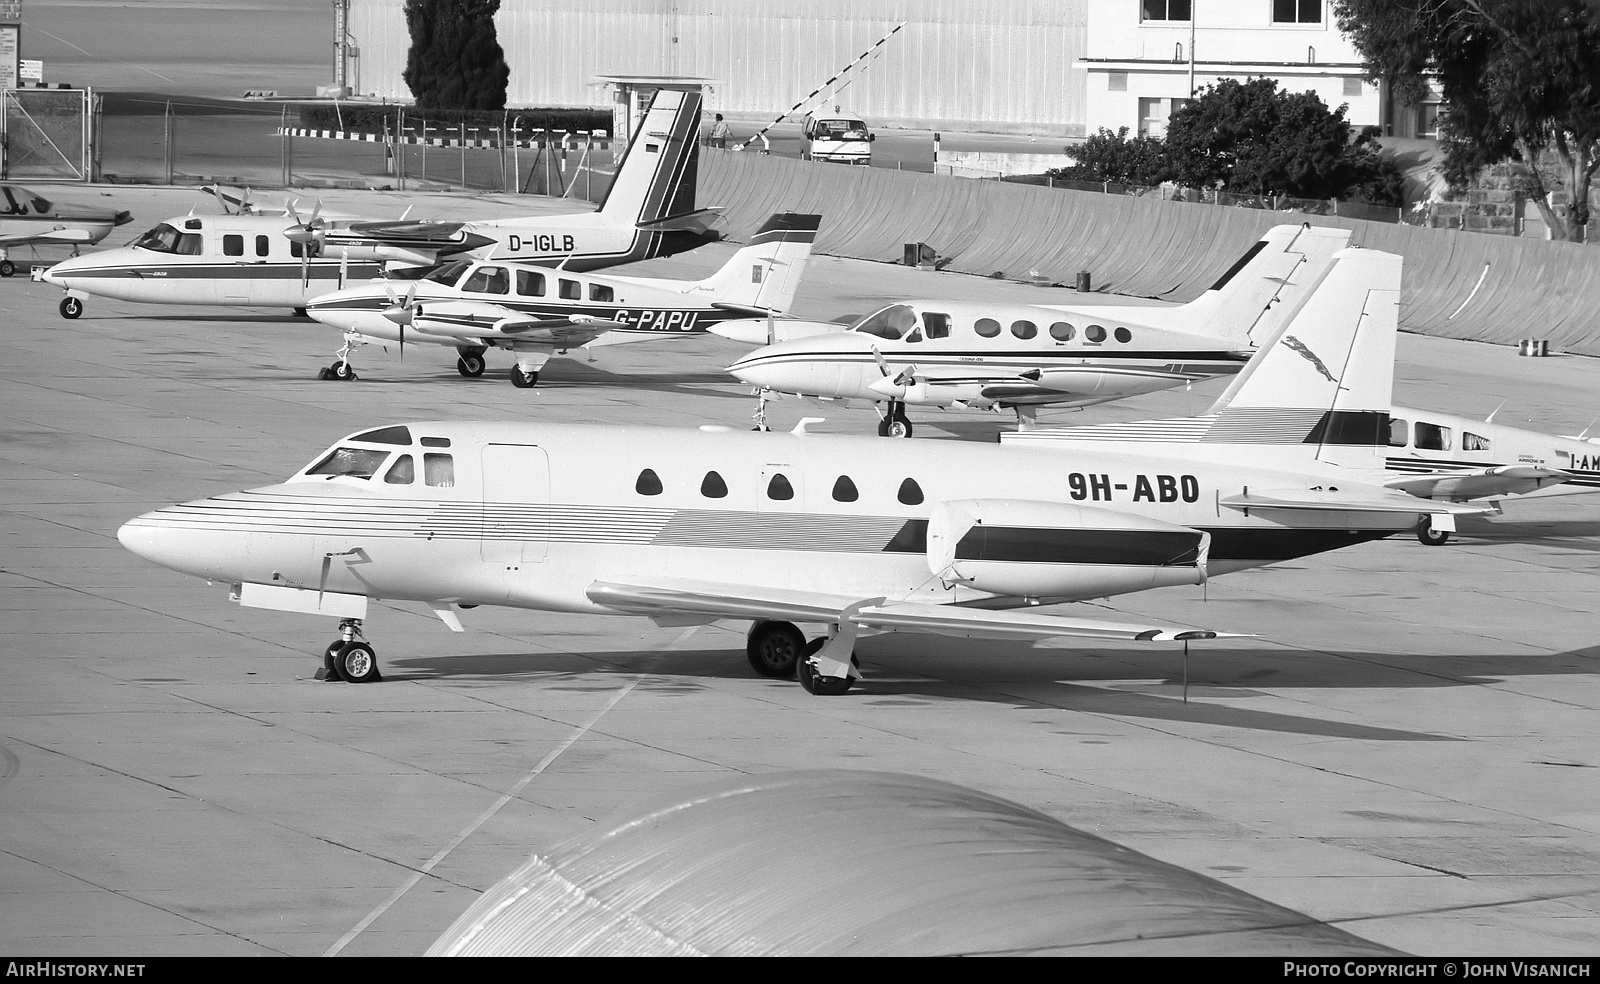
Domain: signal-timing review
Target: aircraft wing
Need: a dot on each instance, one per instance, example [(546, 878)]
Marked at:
[(51, 236), (671, 596), (753, 331), (560, 332), (1479, 483), (1349, 499), (406, 229)]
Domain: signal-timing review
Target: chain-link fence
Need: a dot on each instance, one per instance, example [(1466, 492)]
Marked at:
[(45, 134)]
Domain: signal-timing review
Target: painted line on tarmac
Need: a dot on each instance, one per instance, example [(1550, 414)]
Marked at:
[(486, 815)]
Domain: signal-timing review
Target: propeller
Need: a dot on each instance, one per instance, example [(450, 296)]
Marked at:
[(892, 385), (402, 313), (309, 234)]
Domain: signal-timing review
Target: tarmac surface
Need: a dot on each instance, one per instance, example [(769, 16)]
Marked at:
[(1405, 748)]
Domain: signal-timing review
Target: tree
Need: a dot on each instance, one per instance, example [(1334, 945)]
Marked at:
[(1108, 156), (455, 61), (1520, 81), (1250, 137)]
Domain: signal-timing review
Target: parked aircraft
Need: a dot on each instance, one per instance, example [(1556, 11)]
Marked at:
[(262, 258), (535, 312), (27, 219), (948, 537), (964, 354)]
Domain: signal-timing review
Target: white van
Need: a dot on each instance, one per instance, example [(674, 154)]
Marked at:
[(836, 137)]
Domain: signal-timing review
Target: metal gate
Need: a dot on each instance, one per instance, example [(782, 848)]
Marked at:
[(46, 134)]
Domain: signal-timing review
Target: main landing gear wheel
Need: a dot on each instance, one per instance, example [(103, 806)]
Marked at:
[(470, 366), (895, 424), (1432, 537), (357, 663), (821, 686), (521, 379), (7, 268), (773, 648), (71, 308)]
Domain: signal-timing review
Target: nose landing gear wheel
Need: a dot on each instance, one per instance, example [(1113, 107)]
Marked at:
[(342, 370), (470, 366), (895, 424), (7, 268), (523, 380), (71, 308)]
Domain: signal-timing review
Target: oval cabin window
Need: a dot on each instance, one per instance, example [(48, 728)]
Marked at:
[(987, 327), (780, 489), (713, 487), (910, 492), (1024, 329), (1062, 332), (1123, 335), (649, 483), (844, 490), (1095, 333)]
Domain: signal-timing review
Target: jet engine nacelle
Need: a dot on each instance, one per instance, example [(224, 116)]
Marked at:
[(1034, 549)]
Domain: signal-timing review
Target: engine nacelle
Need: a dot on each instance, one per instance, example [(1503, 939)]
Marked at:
[(1060, 551)]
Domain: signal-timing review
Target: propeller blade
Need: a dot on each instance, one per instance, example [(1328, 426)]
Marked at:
[(883, 364)]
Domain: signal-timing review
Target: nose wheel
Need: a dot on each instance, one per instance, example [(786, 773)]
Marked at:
[(71, 308), (349, 658), (342, 370), (522, 378), (895, 423), (471, 364)]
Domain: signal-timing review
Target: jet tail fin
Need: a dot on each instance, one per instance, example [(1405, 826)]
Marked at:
[(1326, 377), (1252, 299), (766, 274)]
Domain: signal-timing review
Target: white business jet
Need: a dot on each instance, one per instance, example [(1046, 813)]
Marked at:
[(27, 219), (947, 537), (535, 312), (258, 257), (1024, 356)]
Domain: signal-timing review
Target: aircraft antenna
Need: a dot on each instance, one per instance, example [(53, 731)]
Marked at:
[(1186, 671), (1490, 419)]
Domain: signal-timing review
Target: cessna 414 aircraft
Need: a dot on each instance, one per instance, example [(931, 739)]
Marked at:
[(948, 537), (257, 259), (26, 219), (535, 312), (963, 354)]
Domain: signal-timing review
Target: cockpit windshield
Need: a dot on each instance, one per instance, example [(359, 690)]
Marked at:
[(350, 462), (165, 239), (41, 205), (449, 273), (892, 322)]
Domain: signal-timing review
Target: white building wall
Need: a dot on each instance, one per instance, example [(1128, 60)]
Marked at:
[(1233, 39), (989, 64)]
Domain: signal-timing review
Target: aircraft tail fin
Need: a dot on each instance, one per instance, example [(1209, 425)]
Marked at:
[(765, 275), (1250, 301), (656, 179), (1326, 377)]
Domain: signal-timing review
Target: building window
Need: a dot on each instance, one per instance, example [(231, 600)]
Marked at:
[(1117, 81), (1152, 121), (1164, 10), (1297, 11), (1353, 87), (1428, 120)]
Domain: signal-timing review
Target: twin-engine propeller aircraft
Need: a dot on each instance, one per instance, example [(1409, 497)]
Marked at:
[(535, 312), (27, 219), (947, 537), (1024, 356), (266, 258)]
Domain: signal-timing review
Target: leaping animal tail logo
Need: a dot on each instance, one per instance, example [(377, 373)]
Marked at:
[(1305, 352)]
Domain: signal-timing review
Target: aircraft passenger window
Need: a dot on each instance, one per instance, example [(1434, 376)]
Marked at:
[(1024, 329), (295, 249), (1095, 333), (1473, 442), (892, 322), (910, 492), (1399, 430), (601, 293), (232, 245), (387, 435), (713, 487), (1432, 437), (530, 284), (447, 274), (350, 462), (844, 490), (1123, 335), (936, 325), (436, 442), (488, 280), (189, 244), (987, 327), (571, 290), (262, 243), (780, 489), (402, 472), (1062, 332), (649, 483), (439, 470)]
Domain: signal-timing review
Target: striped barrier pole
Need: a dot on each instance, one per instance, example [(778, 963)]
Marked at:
[(809, 96)]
